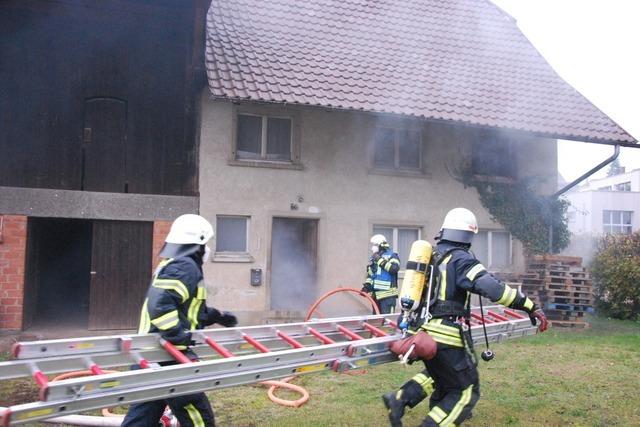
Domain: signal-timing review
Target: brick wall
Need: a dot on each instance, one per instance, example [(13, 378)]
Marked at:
[(12, 263), (160, 231)]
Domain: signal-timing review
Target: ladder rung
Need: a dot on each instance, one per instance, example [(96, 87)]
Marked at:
[(288, 339), (323, 338), (348, 333), (40, 378), (218, 348), (480, 318), (375, 331), (255, 343), (174, 352), (513, 314), (497, 316)]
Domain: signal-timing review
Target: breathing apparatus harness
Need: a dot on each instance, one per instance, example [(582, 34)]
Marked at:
[(454, 309)]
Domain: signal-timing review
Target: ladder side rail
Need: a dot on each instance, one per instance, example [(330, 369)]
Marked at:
[(55, 365), (77, 387), (87, 385), (134, 342)]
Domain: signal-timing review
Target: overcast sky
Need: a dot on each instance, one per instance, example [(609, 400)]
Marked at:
[(594, 45)]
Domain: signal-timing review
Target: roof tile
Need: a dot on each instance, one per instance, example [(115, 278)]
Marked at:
[(461, 60)]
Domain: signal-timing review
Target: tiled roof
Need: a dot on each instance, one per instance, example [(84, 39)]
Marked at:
[(460, 60)]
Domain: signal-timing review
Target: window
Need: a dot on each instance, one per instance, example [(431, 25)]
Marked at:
[(397, 149), (400, 238), (607, 188), (261, 137), (493, 155), (232, 234), (493, 248), (625, 186), (617, 222)]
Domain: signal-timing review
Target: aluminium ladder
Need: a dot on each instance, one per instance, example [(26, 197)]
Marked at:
[(228, 357)]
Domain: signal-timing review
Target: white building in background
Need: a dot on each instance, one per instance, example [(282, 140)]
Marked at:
[(606, 205)]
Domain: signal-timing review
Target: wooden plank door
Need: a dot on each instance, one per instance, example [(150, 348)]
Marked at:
[(104, 145), (120, 273)]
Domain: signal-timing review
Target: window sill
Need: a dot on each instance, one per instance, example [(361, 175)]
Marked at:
[(274, 164), (232, 257), (399, 172), (496, 179)]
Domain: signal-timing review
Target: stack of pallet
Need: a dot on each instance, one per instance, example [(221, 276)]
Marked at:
[(561, 286)]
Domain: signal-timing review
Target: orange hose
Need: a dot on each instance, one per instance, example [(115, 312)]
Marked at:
[(285, 384), (335, 291)]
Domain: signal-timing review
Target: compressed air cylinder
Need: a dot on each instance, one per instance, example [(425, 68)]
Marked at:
[(414, 275)]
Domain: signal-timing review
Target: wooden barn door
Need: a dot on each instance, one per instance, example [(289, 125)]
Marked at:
[(104, 145), (120, 273)]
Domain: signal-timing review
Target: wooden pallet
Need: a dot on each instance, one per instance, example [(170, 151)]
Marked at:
[(569, 324)]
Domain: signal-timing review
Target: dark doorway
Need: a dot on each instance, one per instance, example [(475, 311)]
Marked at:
[(294, 247), (58, 271), (86, 274)]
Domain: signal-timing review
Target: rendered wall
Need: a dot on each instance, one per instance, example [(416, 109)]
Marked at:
[(339, 189)]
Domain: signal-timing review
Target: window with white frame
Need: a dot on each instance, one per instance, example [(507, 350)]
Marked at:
[(397, 149), (617, 222), (493, 248), (400, 238), (263, 137), (232, 234), (623, 186)]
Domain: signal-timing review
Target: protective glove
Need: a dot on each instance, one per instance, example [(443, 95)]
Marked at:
[(539, 316), (425, 347), (227, 319), (367, 287)]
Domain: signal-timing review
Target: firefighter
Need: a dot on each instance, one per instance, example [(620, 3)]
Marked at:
[(382, 275), (451, 375), (174, 305)]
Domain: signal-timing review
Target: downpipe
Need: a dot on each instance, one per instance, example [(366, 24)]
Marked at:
[(575, 182)]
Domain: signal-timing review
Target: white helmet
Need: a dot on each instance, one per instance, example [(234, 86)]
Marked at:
[(378, 241), (459, 225), (188, 232)]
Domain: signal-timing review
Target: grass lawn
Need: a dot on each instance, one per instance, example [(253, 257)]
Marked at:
[(559, 378)]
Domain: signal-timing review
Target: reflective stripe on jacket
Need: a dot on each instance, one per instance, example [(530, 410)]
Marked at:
[(174, 300), (383, 275)]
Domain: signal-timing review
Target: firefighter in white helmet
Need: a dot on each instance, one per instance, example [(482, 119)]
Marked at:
[(176, 304), (382, 274), (451, 376)]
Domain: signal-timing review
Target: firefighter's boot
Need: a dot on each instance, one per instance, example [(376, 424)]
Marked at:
[(410, 394), (395, 406)]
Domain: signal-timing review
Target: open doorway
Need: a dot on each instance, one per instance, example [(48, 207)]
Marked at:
[(58, 273), (294, 247)]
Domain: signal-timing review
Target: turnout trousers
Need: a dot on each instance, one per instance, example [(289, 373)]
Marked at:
[(451, 380), (192, 410), (387, 305)]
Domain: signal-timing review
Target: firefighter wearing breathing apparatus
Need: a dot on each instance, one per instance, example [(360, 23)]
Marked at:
[(382, 275), (175, 304), (451, 375)]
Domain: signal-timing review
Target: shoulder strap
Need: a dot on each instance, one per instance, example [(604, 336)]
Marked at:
[(440, 259)]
